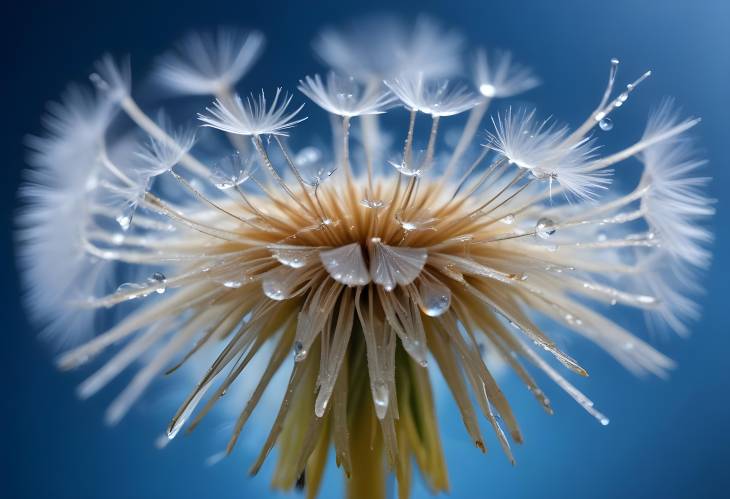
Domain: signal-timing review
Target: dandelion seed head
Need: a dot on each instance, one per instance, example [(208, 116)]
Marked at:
[(355, 278)]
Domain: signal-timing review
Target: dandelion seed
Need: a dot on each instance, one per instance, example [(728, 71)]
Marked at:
[(209, 63), (498, 76), (343, 96), (437, 98), (358, 285), (253, 117)]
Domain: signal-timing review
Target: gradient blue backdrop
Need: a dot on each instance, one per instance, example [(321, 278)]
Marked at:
[(666, 439)]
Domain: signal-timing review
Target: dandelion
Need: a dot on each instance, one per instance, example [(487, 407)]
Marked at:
[(368, 278)]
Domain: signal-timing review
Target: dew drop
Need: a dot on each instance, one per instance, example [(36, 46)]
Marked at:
[(604, 421), (606, 124), (300, 353), (381, 397), (128, 287), (373, 204), (274, 284), (545, 228), (158, 279), (232, 284), (509, 219), (435, 298), (124, 221)]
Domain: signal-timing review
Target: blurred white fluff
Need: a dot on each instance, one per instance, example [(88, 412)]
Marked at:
[(497, 76), (114, 78), (253, 117), (541, 147), (344, 96), (158, 155), (675, 202), (437, 98), (395, 50), (209, 63), (664, 277), (676, 208), (55, 212)]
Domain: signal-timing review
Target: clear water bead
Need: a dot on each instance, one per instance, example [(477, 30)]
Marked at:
[(605, 124), (435, 298), (381, 397), (275, 286), (545, 228), (509, 219), (373, 204), (158, 279), (300, 353)]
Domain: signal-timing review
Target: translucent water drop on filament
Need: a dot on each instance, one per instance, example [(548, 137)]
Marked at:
[(300, 352), (381, 398), (435, 298), (276, 284), (606, 124), (545, 228), (158, 279)]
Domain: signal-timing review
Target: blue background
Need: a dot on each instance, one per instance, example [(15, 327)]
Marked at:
[(666, 438)]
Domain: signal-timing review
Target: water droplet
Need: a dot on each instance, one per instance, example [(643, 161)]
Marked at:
[(509, 219), (606, 124), (232, 284), (158, 279), (381, 397), (124, 221), (435, 298), (275, 285), (545, 228), (604, 421), (118, 238), (300, 353), (374, 204), (295, 257), (487, 90), (132, 287)]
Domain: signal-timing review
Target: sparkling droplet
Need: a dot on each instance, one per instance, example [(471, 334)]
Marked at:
[(606, 124), (124, 221), (374, 204), (604, 421), (435, 298), (275, 285), (509, 219), (545, 228), (158, 279), (131, 287), (232, 284), (487, 90), (381, 397), (300, 353)]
